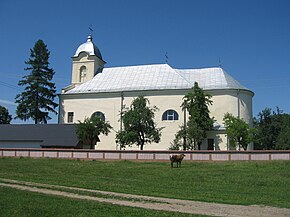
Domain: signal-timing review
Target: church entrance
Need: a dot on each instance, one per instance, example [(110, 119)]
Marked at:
[(210, 144)]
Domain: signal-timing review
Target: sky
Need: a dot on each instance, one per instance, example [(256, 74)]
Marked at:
[(249, 38)]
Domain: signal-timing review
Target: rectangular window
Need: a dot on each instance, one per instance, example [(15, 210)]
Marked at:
[(70, 117), (210, 144)]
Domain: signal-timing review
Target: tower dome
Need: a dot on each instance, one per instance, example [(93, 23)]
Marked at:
[(89, 48)]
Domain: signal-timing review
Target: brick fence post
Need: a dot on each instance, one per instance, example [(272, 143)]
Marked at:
[(210, 157)]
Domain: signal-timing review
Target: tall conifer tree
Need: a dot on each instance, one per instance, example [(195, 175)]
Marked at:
[(37, 99)]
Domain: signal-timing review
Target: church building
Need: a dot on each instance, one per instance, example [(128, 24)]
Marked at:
[(105, 92)]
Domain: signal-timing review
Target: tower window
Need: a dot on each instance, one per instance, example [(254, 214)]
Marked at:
[(83, 73), (70, 117), (99, 114), (170, 115)]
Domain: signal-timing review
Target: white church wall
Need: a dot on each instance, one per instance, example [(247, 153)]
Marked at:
[(84, 105), (246, 107), (227, 101), (223, 102)]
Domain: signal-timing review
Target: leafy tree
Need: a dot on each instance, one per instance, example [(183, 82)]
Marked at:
[(139, 125), (181, 139), (88, 131), (271, 130), (238, 131), (196, 102), (37, 99), (5, 117), (268, 128), (283, 140)]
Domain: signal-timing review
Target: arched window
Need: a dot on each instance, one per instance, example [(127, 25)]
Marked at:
[(99, 114), (83, 73), (170, 115)]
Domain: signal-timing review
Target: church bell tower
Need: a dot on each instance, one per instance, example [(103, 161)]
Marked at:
[(87, 62)]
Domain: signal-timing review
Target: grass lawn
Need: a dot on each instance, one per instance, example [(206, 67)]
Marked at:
[(19, 203), (264, 183)]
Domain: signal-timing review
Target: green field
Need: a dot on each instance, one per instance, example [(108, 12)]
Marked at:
[(263, 183), (19, 203)]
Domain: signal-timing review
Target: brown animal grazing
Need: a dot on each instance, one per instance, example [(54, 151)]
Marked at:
[(176, 159)]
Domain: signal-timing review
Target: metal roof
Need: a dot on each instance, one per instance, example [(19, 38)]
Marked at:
[(211, 78), (89, 48), (50, 135), (156, 77)]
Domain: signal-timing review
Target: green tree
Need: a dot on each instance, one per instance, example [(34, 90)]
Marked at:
[(196, 103), (271, 130), (283, 140), (238, 131), (5, 117), (139, 125), (181, 139), (268, 128), (88, 131), (37, 99)]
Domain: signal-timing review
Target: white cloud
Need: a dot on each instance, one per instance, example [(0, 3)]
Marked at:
[(7, 102)]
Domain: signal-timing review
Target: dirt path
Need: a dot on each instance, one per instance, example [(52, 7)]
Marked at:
[(155, 203)]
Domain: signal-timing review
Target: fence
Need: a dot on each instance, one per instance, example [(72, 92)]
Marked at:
[(145, 155)]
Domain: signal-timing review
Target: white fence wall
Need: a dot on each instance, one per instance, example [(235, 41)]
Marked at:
[(145, 155)]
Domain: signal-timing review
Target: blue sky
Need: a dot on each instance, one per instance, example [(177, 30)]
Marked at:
[(250, 37)]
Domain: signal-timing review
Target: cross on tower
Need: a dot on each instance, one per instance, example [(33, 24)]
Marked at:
[(220, 62), (166, 57), (91, 28)]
